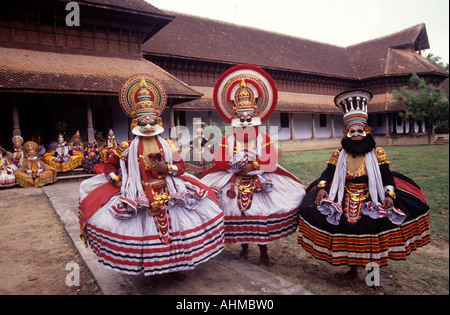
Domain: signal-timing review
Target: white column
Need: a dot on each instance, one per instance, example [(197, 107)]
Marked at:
[(291, 122)]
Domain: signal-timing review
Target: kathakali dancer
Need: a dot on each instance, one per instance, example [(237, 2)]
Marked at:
[(259, 197), (145, 214), (7, 169), (64, 158), (34, 172), (358, 211)]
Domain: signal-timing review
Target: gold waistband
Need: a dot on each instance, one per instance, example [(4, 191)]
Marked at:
[(155, 184), (353, 186), (357, 192)]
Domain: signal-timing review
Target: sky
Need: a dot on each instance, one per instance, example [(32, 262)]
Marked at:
[(337, 22)]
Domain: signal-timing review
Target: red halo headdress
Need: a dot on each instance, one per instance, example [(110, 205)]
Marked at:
[(245, 88)]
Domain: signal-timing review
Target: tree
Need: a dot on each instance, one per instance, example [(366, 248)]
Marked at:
[(437, 61), (424, 102)]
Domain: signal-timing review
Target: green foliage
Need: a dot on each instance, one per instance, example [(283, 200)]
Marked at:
[(437, 61), (424, 102)]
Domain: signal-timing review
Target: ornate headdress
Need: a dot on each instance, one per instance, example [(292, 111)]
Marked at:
[(143, 96), (354, 105), (31, 148), (17, 142), (245, 91)]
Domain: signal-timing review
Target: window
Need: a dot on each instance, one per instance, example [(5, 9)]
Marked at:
[(182, 117), (379, 120), (284, 120), (323, 120)]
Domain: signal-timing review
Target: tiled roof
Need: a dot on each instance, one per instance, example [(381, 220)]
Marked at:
[(60, 72), (205, 39), (393, 54), (132, 6), (301, 103)]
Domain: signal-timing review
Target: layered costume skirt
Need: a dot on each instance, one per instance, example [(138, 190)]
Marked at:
[(7, 175), (188, 232), (63, 162), (369, 239), (268, 213)]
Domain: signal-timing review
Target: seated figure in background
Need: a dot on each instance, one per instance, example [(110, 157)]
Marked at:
[(110, 145), (7, 170), (34, 172), (17, 157), (75, 143), (63, 158), (91, 157)]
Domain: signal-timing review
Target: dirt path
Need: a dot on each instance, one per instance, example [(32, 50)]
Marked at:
[(35, 248), (424, 272)]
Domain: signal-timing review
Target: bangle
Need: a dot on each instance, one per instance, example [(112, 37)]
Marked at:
[(255, 165), (114, 177), (391, 194), (169, 169), (389, 191)]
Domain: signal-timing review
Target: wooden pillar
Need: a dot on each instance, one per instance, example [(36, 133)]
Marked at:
[(291, 124), (90, 123), (333, 134), (388, 125), (313, 136), (178, 125), (411, 127), (15, 116), (172, 117), (210, 118)]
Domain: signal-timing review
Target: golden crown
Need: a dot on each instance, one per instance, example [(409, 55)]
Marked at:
[(145, 105), (245, 100)]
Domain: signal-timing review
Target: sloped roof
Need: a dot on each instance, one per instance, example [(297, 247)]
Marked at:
[(393, 54), (132, 6), (204, 39), (27, 70), (210, 40), (300, 103)]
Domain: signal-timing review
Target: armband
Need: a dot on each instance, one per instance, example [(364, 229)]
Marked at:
[(322, 184), (389, 192), (334, 157), (381, 156)]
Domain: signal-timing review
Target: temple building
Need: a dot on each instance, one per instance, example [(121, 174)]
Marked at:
[(55, 70), (52, 72), (308, 75)]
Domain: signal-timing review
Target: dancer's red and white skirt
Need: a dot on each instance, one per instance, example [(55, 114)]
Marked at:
[(131, 242), (269, 214)]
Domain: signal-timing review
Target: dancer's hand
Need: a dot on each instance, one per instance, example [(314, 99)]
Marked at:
[(388, 202), (159, 165), (246, 168), (118, 184), (322, 193)]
